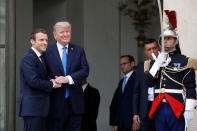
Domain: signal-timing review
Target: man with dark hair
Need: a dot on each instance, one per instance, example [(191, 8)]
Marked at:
[(92, 102), (144, 95), (35, 86), (121, 105)]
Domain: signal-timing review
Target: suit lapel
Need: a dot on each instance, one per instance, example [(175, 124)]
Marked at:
[(130, 79), (69, 58), (38, 60), (57, 57)]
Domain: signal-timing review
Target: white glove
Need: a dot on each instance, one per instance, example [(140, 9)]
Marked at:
[(161, 58), (160, 61), (188, 115)]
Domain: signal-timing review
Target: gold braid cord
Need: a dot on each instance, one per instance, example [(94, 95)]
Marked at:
[(172, 78), (177, 82), (146, 66), (192, 63)]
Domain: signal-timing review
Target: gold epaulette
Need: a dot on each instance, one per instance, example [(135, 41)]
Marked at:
[(146, 66), (192, 63)]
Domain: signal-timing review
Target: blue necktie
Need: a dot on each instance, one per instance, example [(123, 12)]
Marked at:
[(64, 63), (124, 83)]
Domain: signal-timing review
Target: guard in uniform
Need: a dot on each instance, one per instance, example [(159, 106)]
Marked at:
[(175, 94)]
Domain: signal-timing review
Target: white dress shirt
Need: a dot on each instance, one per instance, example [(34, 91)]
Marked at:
[(128, 75), (60, 50), (84, 86), (37, 53)]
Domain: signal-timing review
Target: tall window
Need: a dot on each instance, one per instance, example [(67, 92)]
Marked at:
[(2, 63)]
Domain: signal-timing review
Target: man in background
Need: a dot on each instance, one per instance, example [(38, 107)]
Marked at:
[(144, 95), (92, 101), (121, 114)]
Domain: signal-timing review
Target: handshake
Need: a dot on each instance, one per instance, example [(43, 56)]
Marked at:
[(59, 80)]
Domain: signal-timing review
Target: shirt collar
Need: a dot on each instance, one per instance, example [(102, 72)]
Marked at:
[(60, 46), (36, 51), (84, 86), (129, 74)]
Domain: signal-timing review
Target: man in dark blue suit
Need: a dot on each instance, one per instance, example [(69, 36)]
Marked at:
[(67, 63), (121, 114), (92, 102), (35, 86), (144, 95)]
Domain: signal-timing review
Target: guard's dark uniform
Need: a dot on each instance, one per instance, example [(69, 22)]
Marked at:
[(173, 84)]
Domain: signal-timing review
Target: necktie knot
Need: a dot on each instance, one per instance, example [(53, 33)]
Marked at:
[(64, 48), (125, 77)]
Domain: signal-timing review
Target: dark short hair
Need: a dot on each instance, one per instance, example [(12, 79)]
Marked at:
[(131, 58), (35, 31), (149, 41)]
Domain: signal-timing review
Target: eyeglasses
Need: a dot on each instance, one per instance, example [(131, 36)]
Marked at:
[(124, 63)]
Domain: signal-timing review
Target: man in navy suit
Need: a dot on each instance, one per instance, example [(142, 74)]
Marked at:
[(121, 114), (35, 86), (67, 63), (144, 95), (92, 101)]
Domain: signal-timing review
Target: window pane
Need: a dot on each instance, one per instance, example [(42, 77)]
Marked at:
[(2, 64), (2, 89)]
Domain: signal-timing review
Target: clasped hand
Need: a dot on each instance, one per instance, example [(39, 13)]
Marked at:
[(59, 80)]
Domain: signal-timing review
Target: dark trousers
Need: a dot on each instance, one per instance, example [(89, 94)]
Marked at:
[(32, 123), (124, 129), (67, 122), (147, 124), (165, 120)]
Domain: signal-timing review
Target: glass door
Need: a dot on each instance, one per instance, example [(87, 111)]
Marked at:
[(2, 64)]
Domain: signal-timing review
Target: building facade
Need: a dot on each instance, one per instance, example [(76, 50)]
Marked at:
[(98, 26)]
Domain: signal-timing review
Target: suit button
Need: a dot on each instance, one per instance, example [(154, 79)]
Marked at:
[(164, 85)]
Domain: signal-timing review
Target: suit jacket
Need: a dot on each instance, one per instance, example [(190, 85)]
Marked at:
[(121, 113), (77, 68), (140, 96), (92, 101), (35, 86)]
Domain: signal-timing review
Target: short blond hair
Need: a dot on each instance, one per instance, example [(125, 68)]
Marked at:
[(61, 24)]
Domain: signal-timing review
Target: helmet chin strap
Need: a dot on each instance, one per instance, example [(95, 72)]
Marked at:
[(168, 48)]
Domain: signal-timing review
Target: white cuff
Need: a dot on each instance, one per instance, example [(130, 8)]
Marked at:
[(70, 80), (190, 104), (154, 69), (53, 84)]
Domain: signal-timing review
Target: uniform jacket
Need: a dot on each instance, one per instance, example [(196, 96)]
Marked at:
[(186, 77)]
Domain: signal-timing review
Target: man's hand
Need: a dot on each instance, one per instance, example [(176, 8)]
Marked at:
[(115, 128), (55, 84), (136, 123), (160, 61), (61, 79)]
